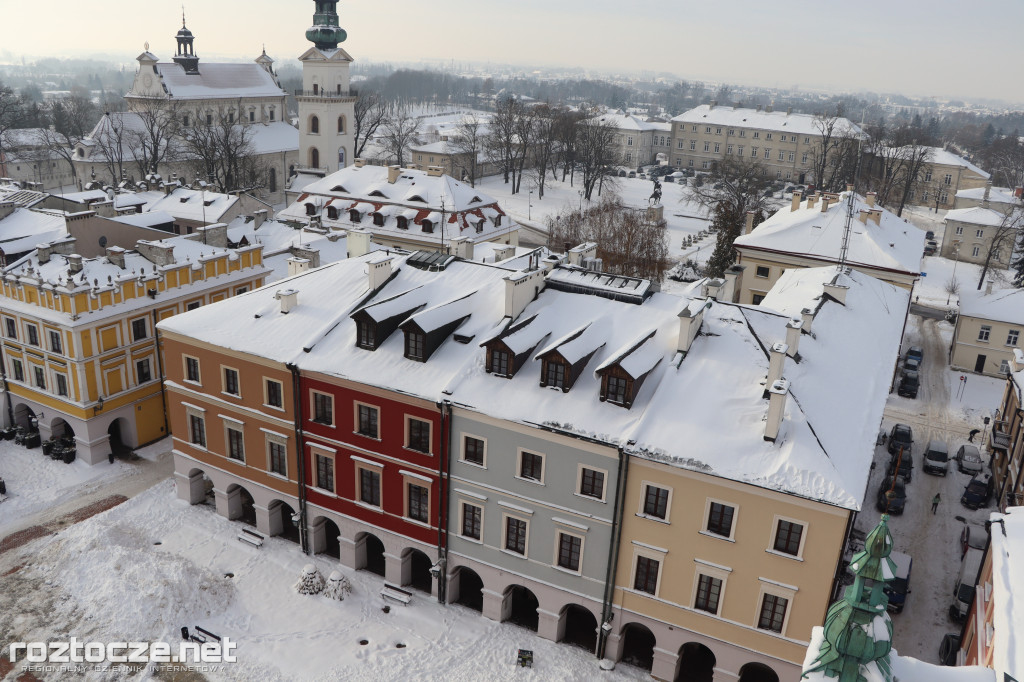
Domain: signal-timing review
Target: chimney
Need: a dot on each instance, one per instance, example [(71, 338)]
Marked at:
[(769, 108), (776, 409), (870, 198), (988, 190), (793, 328), (875, 215), (549, 263), (1017, 363), (733, 277), (358, 243), (213, 235), (1018, 192), (378, 270), (297, 265), (579, 254), (521, 288), (259, 217), (461, 247), (714, 103), (849, 187), (393, 173), (156, 252), (305, 252), (6, 209), (837, 291), (748, 225), (789, 110), (43, 252), (988, 287), (503, 252), (359, 163), (812, 200), (807, 319), (759, 107), (776, 363), (713, 288), (289, 298), (689, 326), (862, 216), (115, 254), (798, 196), (74, 263), (434, 171), (824, 203)]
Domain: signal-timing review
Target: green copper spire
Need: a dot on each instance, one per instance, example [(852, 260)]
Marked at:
[(325, 32), (858, 631)]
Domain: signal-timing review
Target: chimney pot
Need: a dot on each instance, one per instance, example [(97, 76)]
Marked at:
[(776, 408), (776, 364), (807, 317), (289, 298), (875, 215), (297, 265), (379, 271), (870, 198), (359, 163), (797, 198), (259, 217), (988, 287), (521, 288), (358, 242), (689, 326), (748, 226), (713, 288), (393, 174), (793, 329), (812, 200)]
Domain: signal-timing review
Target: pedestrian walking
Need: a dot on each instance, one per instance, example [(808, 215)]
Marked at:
[(972, 434), (935, 502)]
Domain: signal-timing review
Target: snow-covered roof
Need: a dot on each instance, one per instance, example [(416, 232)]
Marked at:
[(893, 245), (146, 219), (1003, 305), (940, 156), (219, 81), (277, 136), (1007, 533), (975, 215), (24, 228), (997, 195), (631, 122), (190, 204), (21, 197), (801, 124)]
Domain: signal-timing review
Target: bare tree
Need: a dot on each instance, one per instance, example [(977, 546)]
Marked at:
[(738, 182), (401, 131), (546, 147), (10, 115), (500, 141), (468, 144), (222, 153), (835, 154), (999, 250), (629, 241), (152, 140), (72, 120), (109, 137), (525, 130), (566, 136), (595, 152), (370, 115)]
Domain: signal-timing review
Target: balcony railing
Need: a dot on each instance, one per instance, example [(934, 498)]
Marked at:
[(1000, 435), (324, 94)]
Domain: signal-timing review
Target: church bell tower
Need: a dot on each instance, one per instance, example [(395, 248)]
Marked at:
[(186, 56), (326, 106)]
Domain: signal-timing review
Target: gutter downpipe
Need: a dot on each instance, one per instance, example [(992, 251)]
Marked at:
[(300, 447), (160, 368), (444, 475), (613, 554)]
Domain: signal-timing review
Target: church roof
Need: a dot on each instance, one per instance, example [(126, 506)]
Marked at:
[(217, 81)]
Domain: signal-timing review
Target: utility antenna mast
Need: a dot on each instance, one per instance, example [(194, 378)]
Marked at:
[(850, 201)]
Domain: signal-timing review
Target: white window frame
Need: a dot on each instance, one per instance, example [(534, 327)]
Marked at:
[(224, 369), (483, 510), (559, 532), (152, 374), (976, 251), (712, 571), (145, 323), (643, 500), (732, 529), (281, 440), (985, 333), (959, 230), (266, 394), (184, 369), (775, 590), (504, 534), (543, 466), (979, 233), (579, 482), (312, 409), (462, 450), (647, 553), (799, 556), (1013, 338)]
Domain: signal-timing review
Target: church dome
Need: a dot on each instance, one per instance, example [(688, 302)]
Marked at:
[(326, 37), (184, 33)]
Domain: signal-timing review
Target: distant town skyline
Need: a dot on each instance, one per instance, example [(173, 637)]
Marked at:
[(903, 47)]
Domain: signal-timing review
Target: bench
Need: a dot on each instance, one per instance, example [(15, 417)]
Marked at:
[(396, 594), (251, 537), (525, 658), (207, 633)]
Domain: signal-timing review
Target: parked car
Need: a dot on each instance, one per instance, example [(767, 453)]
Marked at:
[(916, 352), (936, 458), (948, 648), (963, 588), (930, 249), (896, 504), (978, 492), (912, 363), (899, 588), (929, 235), (973, 535), (968, 459), (910, 383), (902, 466), (901, 436)]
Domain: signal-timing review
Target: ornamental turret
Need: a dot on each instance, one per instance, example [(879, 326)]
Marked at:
[(325, 32), (186, 56)]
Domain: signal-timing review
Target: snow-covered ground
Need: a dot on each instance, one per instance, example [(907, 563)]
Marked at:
[(941, 412), (938, 272), (154, 564)]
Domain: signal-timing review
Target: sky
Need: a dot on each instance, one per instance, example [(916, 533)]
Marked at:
[(945, 48)]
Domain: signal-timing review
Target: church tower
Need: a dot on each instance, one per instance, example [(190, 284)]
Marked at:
[(186, 56), (326, 108)]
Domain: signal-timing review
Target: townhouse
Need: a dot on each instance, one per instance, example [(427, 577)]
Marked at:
[(1006, 440), (80, 353), (988, 330), (942, 176), (981, 234)]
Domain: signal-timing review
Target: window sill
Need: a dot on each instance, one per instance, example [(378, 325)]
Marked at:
[(590, 497), (417, 522), (329, 425), (192, 383), (364, 505), (473, 464), (418, 452), (716, 536), (783, 555), (654, 518), (511, 553), (236, 396), (529, 480), (324, 491), (282, 477), (565, 570), (274, 407), (368, 437), (475, 541)]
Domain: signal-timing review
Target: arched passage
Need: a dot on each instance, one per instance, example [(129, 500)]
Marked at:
[(519, 606), (696, 663), (638, 646), (241, 506), (470, 589), (332, 542), (580, 627), (416, 570), (116, 431), (281, 515), (23, 416), (757, 672), (370, 554), (200, 488), (59, 428)]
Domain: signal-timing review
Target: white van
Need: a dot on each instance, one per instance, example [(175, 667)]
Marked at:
[(963, 588)]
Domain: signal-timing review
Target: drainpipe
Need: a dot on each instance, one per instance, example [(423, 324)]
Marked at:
[(837, 580), (444, 468), (613, 553), (300, 447), (7, 388), (160, 368)]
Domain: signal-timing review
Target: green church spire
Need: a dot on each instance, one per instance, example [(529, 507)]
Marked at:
[(325, 32), (858, 631)]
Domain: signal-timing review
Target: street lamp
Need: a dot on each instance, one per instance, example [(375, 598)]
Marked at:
[(529, 206)]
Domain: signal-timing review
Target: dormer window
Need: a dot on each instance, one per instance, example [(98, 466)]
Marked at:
[(415, 345), (616, 390), (332, 213), (417, 197), (476, 200), (497, 221), (403, 223), (427, 226), (480, 225), (339, 188), (365, 335), (554, 374), (310, 209), (378, 219), (355, 216), (378, 193), (499, 363)]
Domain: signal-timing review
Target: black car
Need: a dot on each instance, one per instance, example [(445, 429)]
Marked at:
[(916, 352), (978, 492), (949, 648), (901, 436), (897, 502), (905, 466), (912, 364), (910, 383)]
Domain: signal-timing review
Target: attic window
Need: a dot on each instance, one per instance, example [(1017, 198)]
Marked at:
[(366, 335), (339, 188), (355, 216), (427, 226), (332, 213), (499, 363), (417, 197), (497, 221), (476, 200), (183, 200), (378, 193), (615, 389), (310, 209), (480, 225), (378, 219), (415, 345), (403, 223), (208, 202), (553, 374)]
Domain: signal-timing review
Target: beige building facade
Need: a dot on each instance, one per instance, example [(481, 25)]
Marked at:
[(987, 331)]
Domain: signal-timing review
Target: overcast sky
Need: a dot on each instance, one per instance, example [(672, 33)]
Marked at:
[(918, 47)]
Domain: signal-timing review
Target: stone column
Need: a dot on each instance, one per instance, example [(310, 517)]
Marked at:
[(191, 489), (549, 625), (393, 568), (263, 521), (348, 551), (493, 602), (224, 503), (318, 536), (664, 667)]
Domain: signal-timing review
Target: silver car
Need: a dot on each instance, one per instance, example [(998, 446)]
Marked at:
[(968, 459)]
